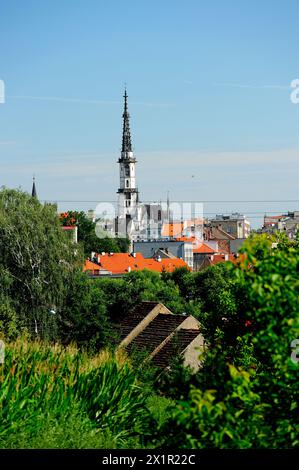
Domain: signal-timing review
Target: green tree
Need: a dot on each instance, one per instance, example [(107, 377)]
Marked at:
[(37, 259), (121, 295), (185, 281), (205, 421), (84, 318), (216, 291), (253, 401), (8, 316), (8, 319)]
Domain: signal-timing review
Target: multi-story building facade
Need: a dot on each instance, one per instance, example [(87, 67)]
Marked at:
[(165, 249), (234, 224)]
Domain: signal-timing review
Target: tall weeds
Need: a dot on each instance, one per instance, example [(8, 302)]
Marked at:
[(40, 383)]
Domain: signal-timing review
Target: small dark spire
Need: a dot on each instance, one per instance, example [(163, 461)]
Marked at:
[(126, 141), (34, 192)]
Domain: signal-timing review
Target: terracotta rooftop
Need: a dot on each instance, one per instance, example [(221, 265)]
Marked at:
[(222, 258), (90, 266), (209, 260), (175, 229), (186, 239), (121, 263), (203, 248), (273, 216), (68, 227)]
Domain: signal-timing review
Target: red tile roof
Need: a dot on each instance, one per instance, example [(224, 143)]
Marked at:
[(175, 229), (92, 267), (203, 248), (186, 239), (222, 258), (67, 227), (121, 263)]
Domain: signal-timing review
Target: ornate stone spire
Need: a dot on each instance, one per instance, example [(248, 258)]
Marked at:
[(126, 140)]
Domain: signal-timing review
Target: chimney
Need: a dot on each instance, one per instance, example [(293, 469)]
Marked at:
[(133, 254), (129, 269), (103, 253), (226, 257), (75, 236)]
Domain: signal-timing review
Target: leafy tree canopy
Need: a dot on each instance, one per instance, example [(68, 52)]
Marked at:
[(36, 261)]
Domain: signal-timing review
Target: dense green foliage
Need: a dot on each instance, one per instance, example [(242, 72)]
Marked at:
[(94, 307), (84, 318), (45, 389), (246, 394), (36, 262)]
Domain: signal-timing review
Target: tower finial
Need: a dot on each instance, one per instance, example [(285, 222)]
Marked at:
[(33, 192), (126, 138)]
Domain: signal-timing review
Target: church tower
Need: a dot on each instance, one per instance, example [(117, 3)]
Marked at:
[(127, 192)]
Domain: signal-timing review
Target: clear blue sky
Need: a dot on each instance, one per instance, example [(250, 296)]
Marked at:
[(209, 97)]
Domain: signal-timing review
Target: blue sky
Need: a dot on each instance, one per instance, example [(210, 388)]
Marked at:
[(209, 97)]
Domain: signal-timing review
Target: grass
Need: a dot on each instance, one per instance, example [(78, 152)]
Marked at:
[(55, 397)]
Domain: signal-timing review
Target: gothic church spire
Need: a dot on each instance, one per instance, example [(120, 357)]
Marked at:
[(126, 138), (34, 192)]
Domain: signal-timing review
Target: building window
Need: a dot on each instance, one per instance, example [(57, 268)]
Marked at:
[(127, 170), (127, 183)]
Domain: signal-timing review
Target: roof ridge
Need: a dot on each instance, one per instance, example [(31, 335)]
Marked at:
[(174, 314)]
